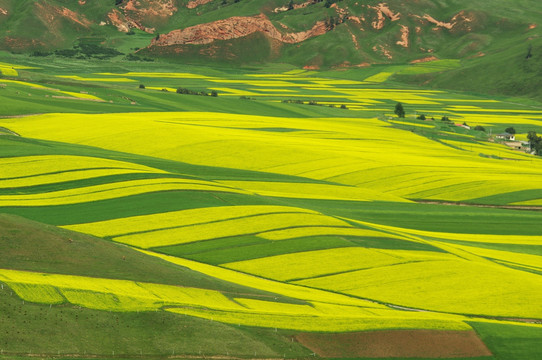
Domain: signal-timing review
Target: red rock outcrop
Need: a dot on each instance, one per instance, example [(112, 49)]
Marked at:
[(51, 15), (383, 11), (138, 13), (404, 36), (425, 59), (295, 6), (383, 51), (448, 26), (118, 20), (192, 4), (232, 28)]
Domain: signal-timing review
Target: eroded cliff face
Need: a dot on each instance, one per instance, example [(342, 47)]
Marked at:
[(141, 14), (402, 26), (233, 28), (51, 15)]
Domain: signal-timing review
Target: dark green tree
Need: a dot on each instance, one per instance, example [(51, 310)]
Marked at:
[(535, 142), (421, 117), (479, 128), (510, 130), (399, 110)]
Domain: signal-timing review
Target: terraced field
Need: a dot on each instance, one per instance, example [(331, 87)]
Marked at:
[(285, 218)]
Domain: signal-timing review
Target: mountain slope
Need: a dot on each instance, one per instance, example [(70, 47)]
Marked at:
[(499, 44)]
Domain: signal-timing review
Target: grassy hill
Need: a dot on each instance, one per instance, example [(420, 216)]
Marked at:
[(498, 45)]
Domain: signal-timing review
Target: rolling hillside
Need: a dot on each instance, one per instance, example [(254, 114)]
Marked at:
[(498, 44), (293, 215)]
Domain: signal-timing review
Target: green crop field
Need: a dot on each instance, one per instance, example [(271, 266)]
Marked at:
[(294, 204)]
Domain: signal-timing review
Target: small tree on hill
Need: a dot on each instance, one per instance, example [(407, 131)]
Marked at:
[(141, 86), (510, 130), (535, 142), (479, 128), (399, 110), (421, 117)]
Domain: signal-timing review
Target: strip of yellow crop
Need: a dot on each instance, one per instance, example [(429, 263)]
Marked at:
[(336, 82), (110, 191), (534, 202), (8, 71), (109, 294), (280, 91), (162, 88), (234, 92), (25, 166), (180, 218), (192, 296), (458, 134), (101, 79), (158, 75), (82, 96), (319, 231), (294, 72), (478, 109), (489, 149), (532, 261), (68, 93), (490, 119), (270, 307), (226, 228), (476, 189), (16, 66), (310, 191), (457, 286), (323, 323), (62, 177), (37, 293), (315, 263), (411, 123), (24, 83), (487, 238), (297, 292), (263, 83), (380, 77)]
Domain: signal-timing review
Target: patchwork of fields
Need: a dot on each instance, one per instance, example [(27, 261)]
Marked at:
[(307, 218)]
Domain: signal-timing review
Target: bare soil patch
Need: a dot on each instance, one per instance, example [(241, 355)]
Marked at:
[(396, 343)]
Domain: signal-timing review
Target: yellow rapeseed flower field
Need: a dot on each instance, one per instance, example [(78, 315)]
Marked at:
[(111, 191), (226, 228), (457, 286), (180, 218)]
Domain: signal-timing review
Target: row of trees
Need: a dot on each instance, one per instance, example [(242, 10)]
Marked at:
[(186, 91)]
